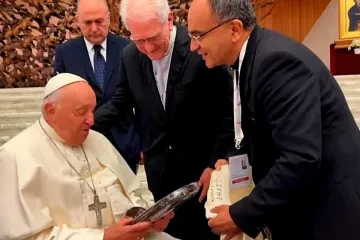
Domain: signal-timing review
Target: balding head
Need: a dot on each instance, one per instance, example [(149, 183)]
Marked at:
[(93, 20), (69, 111)]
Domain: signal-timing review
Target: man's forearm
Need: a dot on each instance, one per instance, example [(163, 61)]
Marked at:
[(108, 116), (120, 106)]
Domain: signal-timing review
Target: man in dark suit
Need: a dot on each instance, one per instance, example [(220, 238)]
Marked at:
[(95, 56), (186, 109), (299, 134)]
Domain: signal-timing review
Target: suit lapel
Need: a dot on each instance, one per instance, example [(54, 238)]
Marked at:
[(149, 75), (111, 54), (180, 51), (84, 58), (247, 65)]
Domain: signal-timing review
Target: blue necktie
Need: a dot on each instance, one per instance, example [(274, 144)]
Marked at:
[(99, 66)]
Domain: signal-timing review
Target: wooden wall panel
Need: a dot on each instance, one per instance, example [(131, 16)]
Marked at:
[(293, 18)]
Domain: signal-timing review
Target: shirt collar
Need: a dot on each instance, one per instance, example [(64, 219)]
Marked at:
[(90, 46), (236, 65), (50, 131)]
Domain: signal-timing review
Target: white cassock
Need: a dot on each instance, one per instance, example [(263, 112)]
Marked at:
[(42, 197)]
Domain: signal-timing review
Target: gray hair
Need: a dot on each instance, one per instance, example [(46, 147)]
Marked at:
[(144, 10), (235, 9), (52, 98)]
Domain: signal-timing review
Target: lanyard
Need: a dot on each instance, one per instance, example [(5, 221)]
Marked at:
[(237, 108)]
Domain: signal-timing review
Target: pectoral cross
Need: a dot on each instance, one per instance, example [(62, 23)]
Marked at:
[(97, 206)]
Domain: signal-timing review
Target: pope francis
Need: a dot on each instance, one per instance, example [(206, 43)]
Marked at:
[(61, 180)]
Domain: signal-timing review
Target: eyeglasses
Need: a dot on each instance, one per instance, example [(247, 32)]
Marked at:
[(197, 37), (151, 40)]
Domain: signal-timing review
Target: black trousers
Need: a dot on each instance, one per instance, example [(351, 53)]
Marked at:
[(133, 162)]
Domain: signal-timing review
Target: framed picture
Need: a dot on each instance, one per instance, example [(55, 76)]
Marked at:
[(349, 16)]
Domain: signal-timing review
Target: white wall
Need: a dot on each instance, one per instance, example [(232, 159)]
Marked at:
[(324, 32)]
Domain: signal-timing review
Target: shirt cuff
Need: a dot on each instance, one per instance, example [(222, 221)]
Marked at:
[(241, 216)]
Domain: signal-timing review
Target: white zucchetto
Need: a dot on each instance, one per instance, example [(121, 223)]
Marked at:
[(59, 81)]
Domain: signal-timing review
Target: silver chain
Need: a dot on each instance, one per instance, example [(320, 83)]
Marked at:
[(93, 190)]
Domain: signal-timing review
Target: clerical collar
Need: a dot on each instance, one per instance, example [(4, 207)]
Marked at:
[(240, 59), (90, 46), (50, 131)]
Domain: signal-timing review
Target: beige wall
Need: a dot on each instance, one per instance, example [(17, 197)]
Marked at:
[(324, 32)]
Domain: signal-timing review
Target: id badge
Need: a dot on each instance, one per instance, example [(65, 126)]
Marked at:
[(240, 171)]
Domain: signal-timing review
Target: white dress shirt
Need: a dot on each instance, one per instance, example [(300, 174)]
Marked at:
[(91, 51), (161, 68)]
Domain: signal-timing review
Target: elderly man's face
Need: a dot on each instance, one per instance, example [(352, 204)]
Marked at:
[(93, 20), (211, 38), (72, 116), (152, 37)]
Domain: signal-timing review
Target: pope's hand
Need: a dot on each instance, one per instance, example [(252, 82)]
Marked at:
[(124, 231), (223, 223), (162, 223), (204, 182), (220, 162)]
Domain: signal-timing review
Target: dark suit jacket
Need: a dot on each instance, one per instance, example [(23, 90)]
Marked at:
[(73, 57), (302, 142), (198, 102)]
